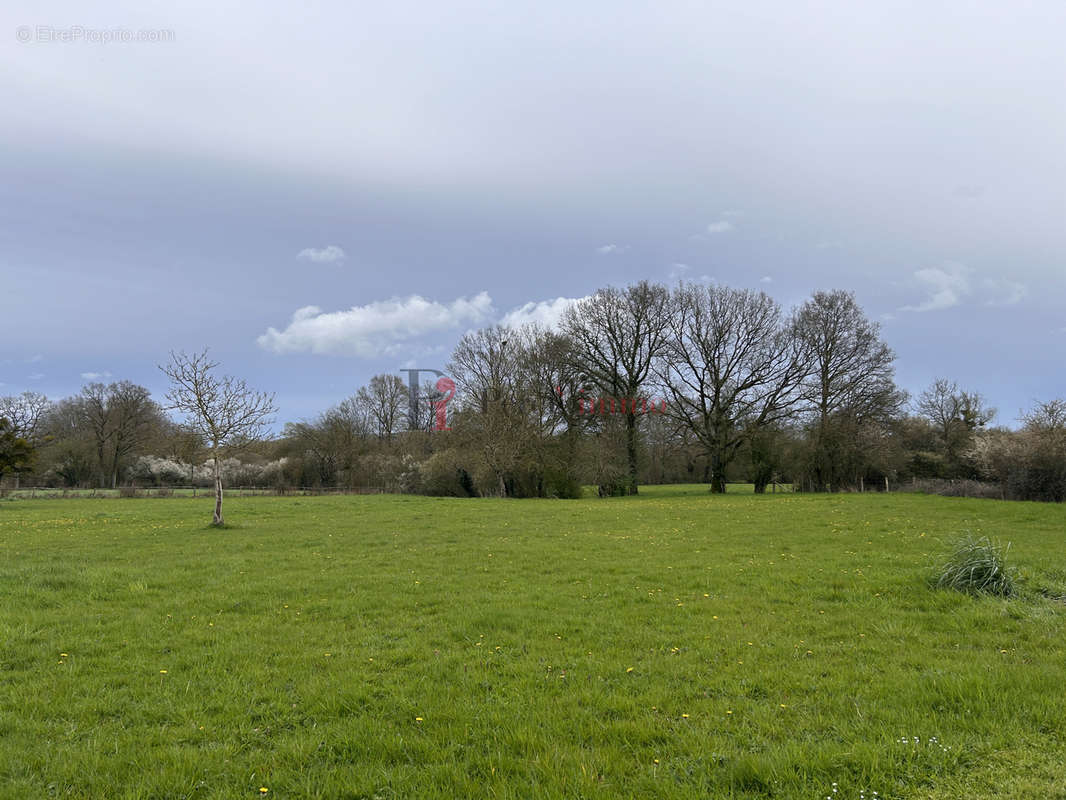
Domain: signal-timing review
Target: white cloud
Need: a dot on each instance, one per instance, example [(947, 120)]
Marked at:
[(612, 249), (330, 254), (952, 283), (380, 328), (946, 287), (1004, 292), (546, 313), (766, 279), (36, 376), (95, 376), (721, 226)]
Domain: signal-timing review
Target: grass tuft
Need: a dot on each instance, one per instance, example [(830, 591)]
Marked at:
[(977, 565)]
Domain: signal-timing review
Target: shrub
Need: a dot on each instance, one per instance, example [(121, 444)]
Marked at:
[(615, 488), (129, 491), (561, 484), (977, 566), (444, 475), (954, 488)]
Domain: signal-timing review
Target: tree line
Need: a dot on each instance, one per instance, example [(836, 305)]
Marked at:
[(638, 384)]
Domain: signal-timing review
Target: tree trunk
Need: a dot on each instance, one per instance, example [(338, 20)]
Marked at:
[(717, 474), (218, 493), (631, 451)]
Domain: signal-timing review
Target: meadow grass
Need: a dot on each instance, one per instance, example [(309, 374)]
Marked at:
[(670, 645)]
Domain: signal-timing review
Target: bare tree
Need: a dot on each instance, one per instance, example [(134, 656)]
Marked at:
[(733, 367), (120, 418), (70, 452), (385, 399), (221, 409), (135, 419), (25, 414), (329, 446), (617, 334), (1047, 417), (96, 412), (851, 382), (486, 367), (954, 414)]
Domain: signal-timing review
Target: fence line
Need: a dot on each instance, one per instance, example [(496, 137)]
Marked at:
[(189, 491)]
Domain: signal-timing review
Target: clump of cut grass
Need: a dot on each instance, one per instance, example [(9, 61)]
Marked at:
[(977, 565)]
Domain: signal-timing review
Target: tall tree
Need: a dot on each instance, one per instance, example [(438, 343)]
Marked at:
[(16, 453), (486, 367), (69, 451), (97, 414), (851, 381), (120, 418), (617, 334), (26, 414), (733, 367), (135, 420), (385, 399), (223, 410)]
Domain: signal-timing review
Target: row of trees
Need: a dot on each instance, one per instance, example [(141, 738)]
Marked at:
[(636, 384)]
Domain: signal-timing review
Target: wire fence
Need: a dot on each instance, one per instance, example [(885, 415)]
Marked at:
[(51, 492)]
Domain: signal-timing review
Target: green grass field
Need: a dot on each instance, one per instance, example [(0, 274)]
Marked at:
[(672, 645)]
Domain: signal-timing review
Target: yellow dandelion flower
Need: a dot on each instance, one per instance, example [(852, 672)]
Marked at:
[(263, 790), (684, 716), (162, 672), (729, 712), (629, 669), (418, 719)]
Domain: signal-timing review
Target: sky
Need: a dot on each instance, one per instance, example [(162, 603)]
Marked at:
[(324, 191)]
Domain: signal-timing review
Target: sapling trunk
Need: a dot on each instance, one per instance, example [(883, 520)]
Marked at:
[(218, 493)]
